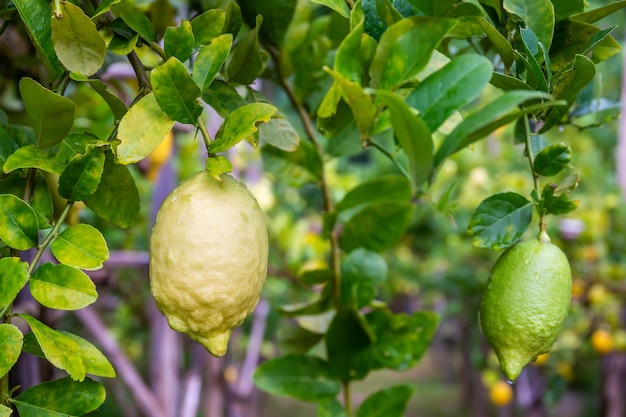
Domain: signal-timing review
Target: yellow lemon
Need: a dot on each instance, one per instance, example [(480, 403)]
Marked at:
[(500, 393), (602, 341), (208, 258)]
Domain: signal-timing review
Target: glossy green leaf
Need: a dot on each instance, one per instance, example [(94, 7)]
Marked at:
[(32, 156), (376, 227), (337, 5), (397, 58), (330, 408), (297, 168), (247, 61), (61, 398), (383, 188), (62, 287), (178, 41), (60, 350), (209, 61), (207, 26), (348, 345), (363, 108), (413, 135), (82, 246), (280, 133), (41, 200), (535, 76), (452, 87), (500, 220), (555, 202), (176, 92), (120, 45), (400, 339), (11, 339), (223, 98), (138, 22), (117, 198), (472, 127), (552, 159), (116, 105), (36, 16), (306, 378), (81, 177), (240, 124), (362, 271), (293, 339), (563, 9), (388, 402), (51, 115), (73, 145), (508, 83), (537, 15), (234, 19), (13, 277), (104, 7), (345, 62), (499, 42), (77, 42), (594, 15), (19, 223), (142, 128)]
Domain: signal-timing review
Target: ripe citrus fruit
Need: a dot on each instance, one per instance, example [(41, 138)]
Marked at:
[(500, 393), (208, 258), (526, 300), (602, 341)]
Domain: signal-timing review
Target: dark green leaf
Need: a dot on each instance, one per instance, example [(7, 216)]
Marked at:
[(538, 15), (77, 42), (348, 346), (117, 198), (293, 339), (362, 271), (60, 350), (116, 105), (412, 134), (19, 223), (557, 203), (82, 175), (50, 114), (234, 20), (62, 397), (11, 339), (552, 159), (178, 41), (240, 124), (389, 402), (306, 378), (277, 15), (246, 61), (7, 147), (500, 221), (384, 188), (508, 83), (594, 15), (450, 88), (209, 60), (223, 98), (535, 78), (207, 26), (138, 22), (176, 92), (62, 287), (397, 59), (499, 42), (563, 9), (345, 62), (13, 277)]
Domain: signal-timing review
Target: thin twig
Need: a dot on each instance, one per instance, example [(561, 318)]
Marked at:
[(144, 82), (543, 236)]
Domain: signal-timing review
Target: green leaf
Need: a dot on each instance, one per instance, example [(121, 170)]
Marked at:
[(508, 83), (19, 223), (362, 271), (306, 378), (234, 20), (62, 397), (41, 200), (36, 17), (217, 165), (77, 42), (405, 48), (32, 156), (376, 227), (384, 188), (5, 411), (348, 346), (117, 198), (535, 76), (240, 124), (104, 7), (142, 128), (452, 87), (178, 41), (337, 5), (330, 408), (594, 15), (50, 114), (207, 26), (552, 159), (59, 349), (120, 45), (116, 105), (247, 61), (412, 134), (563, 9), (13, 277), (499, 42), (472, 128), (297, 168), (538, 15), (345, 62), (7, 145), (556, 202), (293, 339), (209, 60), (400, 339), (62, 287), (176, 92), (223, 98), (138, 22), (280, 133), (500, 220), (11, 339), (277, 16), (363, 108), (82, 246), (388, 402), (81, 177)]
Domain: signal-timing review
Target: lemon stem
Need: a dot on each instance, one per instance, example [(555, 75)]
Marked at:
[(536, 179), (205, 133), (347, 398)]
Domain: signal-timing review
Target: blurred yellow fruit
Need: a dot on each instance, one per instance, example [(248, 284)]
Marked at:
[(564, 369), (501, 393), (597, 294), (602, 341), (578, 288), (542, 359), (160, 155)]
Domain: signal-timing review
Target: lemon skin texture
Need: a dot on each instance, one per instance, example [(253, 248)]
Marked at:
[(526, 301), (208, 258)]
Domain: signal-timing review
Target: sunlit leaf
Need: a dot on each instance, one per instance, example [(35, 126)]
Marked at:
[(19, 223), (13, 277), (209, 60), (537, 15), (179, 41), (82, 246), (81, 177), (240, 124), (176, 92), (62, 287), (61, 398)]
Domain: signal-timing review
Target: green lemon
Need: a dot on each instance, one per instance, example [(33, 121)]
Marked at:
[(526, 300), (208, 258)]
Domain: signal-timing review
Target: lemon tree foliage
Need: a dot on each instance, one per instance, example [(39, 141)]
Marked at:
[(396, 77)]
